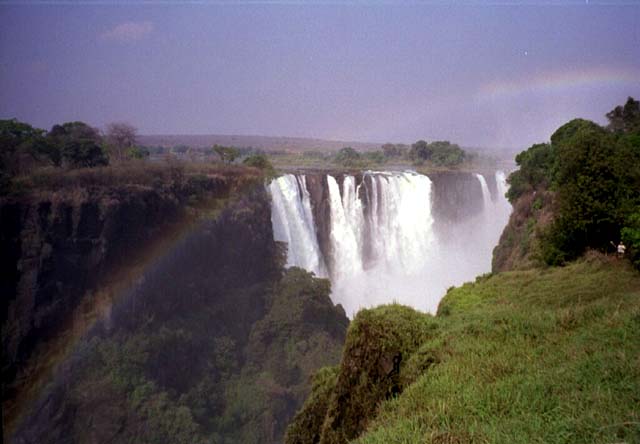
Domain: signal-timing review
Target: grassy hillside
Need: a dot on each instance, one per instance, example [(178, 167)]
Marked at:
[(539, 356)]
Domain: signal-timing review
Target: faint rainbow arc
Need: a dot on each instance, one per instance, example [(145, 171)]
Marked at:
[(559, 82)]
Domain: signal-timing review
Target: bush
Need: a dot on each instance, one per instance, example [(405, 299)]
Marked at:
[(347, 156), (261, 162), (534, 173), (631, 237)]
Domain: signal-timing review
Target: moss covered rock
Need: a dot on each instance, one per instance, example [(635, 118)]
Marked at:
[(379, 343)]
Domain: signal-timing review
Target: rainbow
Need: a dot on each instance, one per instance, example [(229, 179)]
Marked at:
[(117, 285), (561, 82)]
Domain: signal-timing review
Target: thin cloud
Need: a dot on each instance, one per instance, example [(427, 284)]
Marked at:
[(128, 31)]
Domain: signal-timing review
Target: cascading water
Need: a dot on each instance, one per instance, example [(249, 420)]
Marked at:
[(382, 236), (486, 194), (293, 223), (346, 224)]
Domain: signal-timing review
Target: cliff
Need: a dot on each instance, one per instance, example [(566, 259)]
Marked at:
[(141, 311), (519, 246)]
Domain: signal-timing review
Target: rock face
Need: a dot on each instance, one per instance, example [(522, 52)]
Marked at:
[(319, 196), (58, 247), (519, 245), (196, 349), (379, 360), (457, 196)]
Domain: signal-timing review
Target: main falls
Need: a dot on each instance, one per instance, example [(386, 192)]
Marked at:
[(386, 237)]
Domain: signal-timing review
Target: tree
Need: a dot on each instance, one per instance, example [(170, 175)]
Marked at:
[(391, 150), (445, 153), (625, 119), (596, 176), (21, 145), (227, 154), (137, 152), (630, 235), (347, 156), (535, 171), (420, 151), (121, 137), (261, 162), (376, 157), (79, 143), (258, 161)]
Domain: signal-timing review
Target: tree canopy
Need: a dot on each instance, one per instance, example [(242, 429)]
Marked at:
[(625, 118), (594, 173), (227, 154), (347, 156), (80, 144), (121, 139)]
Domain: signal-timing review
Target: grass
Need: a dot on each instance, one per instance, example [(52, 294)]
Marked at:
[(135, 172), (539, 356)]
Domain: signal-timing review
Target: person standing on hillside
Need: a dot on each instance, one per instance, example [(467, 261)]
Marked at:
[(621, 250)]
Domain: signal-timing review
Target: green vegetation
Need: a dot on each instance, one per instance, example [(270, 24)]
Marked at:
[(593, 174), (625, 119), (546, 355), (226, 154), (538, 356), (260, 161), (25, 150), (440, 153), (631, 237), (423, 156), (201, 370), (79, 144), (307, 425), (380, 342)]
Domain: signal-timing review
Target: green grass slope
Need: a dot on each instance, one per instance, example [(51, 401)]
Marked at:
[(543, 356), (538, 356)]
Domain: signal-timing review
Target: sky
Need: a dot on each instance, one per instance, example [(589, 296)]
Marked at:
[(483, 74)]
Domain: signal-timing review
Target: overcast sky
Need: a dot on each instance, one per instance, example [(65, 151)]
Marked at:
[(480, 74)]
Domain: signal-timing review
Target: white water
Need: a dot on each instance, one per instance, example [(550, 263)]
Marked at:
[(345, 231), (293, 223), (390, 252), (486, 195)]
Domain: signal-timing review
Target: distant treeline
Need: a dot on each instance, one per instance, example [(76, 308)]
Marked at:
[(439, 153), (25, 149)]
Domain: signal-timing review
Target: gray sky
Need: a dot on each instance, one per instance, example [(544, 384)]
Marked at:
[(476, 73)]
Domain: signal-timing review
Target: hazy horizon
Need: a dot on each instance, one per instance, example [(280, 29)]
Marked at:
[(478, 74)]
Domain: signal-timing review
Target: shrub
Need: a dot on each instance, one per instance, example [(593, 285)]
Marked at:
[(631, 237)]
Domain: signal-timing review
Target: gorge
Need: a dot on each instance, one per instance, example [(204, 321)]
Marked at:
[(390, 236), (236, 318)]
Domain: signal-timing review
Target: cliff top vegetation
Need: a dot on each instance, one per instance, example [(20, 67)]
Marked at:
[(578, 191), (544, 355)]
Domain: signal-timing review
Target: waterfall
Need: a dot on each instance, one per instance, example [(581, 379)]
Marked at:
[(501, 182), (404, 230), (379, 231), (293, 223), (346, 218), (486, 194)]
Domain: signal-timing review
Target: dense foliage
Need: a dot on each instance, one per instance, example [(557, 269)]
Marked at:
[(71, 145), (439, 154), (180, 380), (594, 173), (380, 358)]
